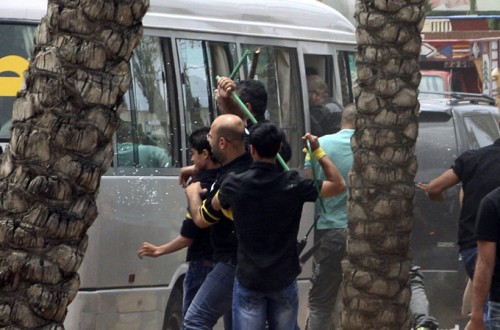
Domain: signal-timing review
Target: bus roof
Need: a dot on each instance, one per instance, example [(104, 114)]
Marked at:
[(293, 19)]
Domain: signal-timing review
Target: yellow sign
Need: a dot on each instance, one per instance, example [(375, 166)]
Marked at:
[(9, 86)]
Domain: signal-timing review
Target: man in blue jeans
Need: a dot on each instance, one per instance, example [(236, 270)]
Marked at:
[(197, 240), (487, 273), (330, 227), (266, 206), (477, 170), (419, 305), (214, 298)]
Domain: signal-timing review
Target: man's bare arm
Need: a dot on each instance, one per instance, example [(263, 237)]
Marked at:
[(435, 188), (482, 282), (333, 184), (193, 194)]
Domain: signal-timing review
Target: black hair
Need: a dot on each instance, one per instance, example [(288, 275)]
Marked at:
[(266, 139), (253, 92), (198, 140)]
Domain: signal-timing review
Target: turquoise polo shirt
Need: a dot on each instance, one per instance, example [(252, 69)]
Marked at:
[(338, 148)]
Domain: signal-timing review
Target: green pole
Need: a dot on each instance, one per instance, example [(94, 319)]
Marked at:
[(239, 64), (253, 120)]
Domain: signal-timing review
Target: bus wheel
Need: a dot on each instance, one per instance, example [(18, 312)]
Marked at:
[(173, 312)]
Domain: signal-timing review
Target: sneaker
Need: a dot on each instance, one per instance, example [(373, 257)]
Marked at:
[(423, 328)]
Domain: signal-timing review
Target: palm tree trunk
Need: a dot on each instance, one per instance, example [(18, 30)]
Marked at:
[(376, 291), (63, 122)]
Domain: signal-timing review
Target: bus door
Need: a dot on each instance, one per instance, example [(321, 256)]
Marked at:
[(329, 80), (277, 67), (200, 61), (339, 78)]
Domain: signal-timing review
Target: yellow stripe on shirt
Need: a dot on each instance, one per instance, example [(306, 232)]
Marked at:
[(206, 215)]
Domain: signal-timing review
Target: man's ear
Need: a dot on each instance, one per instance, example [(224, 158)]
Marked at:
[(252, 150), (205, 154), (249, 107)]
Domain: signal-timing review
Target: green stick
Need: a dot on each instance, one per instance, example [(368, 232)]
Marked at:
[(253, 120), (239, 64)]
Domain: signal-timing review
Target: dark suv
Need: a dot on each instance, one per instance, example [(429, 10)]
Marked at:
[(447, 128)]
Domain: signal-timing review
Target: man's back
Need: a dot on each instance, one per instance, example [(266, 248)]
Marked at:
[(338, 148), (326, 117), (267, 206), (479, 172)]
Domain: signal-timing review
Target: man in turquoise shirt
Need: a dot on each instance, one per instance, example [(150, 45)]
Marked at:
[(330, 227)]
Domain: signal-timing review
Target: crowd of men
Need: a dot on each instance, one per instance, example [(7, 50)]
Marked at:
[(244, 212)]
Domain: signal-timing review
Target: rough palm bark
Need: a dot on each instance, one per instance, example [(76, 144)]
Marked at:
[(63, 122), (375, 290)]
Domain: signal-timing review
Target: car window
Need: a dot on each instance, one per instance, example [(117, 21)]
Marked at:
[(431, 83), (481, 130), (436, 146)]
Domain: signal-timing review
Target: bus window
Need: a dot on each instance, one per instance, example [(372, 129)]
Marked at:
[(325, 110), (16, 42), (144, 135), (200, 62), (348, 75), (278, 69), (321, 65)]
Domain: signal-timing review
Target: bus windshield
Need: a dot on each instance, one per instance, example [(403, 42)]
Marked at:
[(16, 42)]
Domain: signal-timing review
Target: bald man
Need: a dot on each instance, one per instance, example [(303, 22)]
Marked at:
[(214, 298)]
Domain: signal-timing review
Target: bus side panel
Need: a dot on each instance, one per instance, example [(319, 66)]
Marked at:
[(118, 309), (115, 283), (303, 282)]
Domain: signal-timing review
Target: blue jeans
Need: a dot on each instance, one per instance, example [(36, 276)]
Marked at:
[(326, 279), (494, 315), (251, 309), (469, 257), (213, 300), (195, 275)]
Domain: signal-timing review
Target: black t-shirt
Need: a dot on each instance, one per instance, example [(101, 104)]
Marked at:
[(479, 172), (325, 118), (488, 229), (222, 233), (266, 206), (200, 248)]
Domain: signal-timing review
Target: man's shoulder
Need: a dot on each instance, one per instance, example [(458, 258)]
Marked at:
[(494, 196), (207, 176), (342, 136), (491, 151), (239, 164), (333, 105), (293, 178)]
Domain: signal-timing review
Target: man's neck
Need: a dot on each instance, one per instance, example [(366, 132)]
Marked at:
[(257, 158), (232, 156), (212, 166)]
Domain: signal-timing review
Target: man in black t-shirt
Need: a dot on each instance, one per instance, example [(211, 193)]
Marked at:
[(197, 240), (479, 172), (266, 206), (487, 273), (325, 114), (214, 299)]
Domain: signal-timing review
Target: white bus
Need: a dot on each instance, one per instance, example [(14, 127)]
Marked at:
[(186, 45)]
